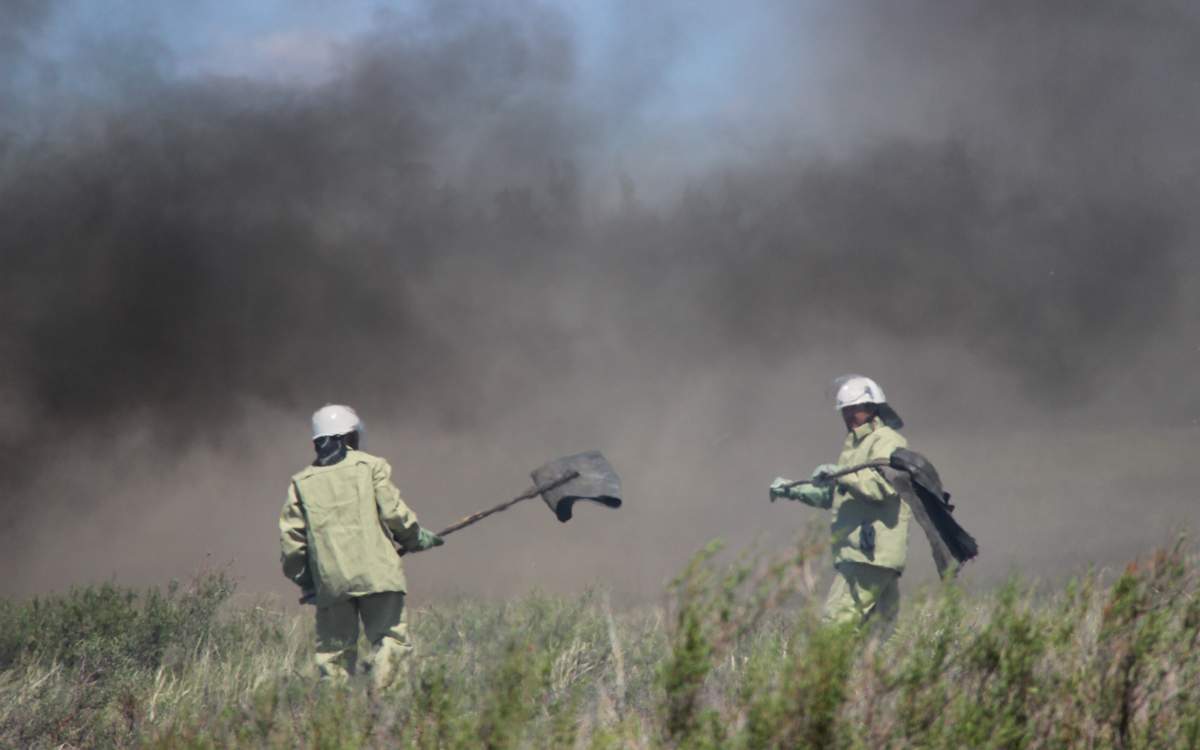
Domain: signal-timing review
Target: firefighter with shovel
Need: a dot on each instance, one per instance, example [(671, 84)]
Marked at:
[(344, 523), (337, 529), (870, 519)]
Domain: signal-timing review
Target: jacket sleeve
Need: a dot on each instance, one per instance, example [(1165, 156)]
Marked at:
[(869, 484), (393, 511), (293, 540)]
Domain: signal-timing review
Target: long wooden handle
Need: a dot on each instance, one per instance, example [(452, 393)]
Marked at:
[(531, 492), (836, 474)]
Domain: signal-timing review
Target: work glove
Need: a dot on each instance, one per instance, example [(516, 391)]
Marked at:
[(426, 539), (780, 489), (822, 472), (816, 495)]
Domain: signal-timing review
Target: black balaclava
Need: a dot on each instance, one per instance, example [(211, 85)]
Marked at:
[(331, 449)]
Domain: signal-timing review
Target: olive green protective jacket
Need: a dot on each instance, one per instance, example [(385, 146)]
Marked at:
[(337, 526), (865, 498)]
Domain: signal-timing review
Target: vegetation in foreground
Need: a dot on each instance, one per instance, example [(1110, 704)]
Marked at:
[(737, 659)]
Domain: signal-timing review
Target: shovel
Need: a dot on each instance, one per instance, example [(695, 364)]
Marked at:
[(560, 483)]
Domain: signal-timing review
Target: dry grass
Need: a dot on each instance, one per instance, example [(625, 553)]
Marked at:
[(736, 658)]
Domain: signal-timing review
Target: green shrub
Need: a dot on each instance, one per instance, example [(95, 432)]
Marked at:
[(104, 629)]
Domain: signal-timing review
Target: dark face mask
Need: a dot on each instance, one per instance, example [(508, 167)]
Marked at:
[(331, 449)]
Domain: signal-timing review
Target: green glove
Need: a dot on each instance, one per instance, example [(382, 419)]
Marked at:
[(779, 489), (426, 539), (824, 470), (816, 495)]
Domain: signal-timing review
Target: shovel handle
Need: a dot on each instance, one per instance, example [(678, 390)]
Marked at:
[(531, 492), (836, 474)]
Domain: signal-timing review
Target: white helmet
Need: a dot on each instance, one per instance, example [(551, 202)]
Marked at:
[(335, 419), (852, 390)]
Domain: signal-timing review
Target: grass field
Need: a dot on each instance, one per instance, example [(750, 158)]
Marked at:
[(735, 657)]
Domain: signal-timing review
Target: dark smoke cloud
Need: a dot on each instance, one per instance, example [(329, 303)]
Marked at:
[(219, 239), (435, 235)]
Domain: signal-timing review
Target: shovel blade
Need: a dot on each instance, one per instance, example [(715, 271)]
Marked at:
[(597, 482)]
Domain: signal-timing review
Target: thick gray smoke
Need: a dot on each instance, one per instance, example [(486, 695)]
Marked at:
[(986, 207)]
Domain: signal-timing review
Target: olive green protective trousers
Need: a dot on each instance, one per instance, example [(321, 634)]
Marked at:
[(386, 628), (863, 593)]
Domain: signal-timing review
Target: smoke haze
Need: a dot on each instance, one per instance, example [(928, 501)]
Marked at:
[(503, 241)]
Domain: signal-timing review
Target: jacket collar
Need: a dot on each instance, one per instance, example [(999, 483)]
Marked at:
[(859, 434)]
